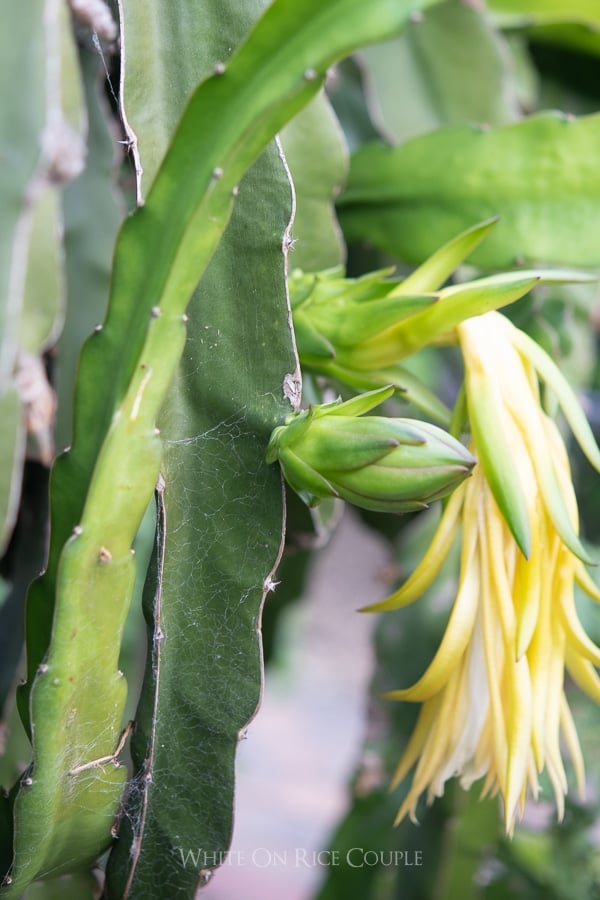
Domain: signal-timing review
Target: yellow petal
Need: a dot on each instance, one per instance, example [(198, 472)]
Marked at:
[(526, 594), (583, 674), (585, 582), (417, 741), (494, 658), (434, 751), (454, 643), (576, 635), (493, 562), (432, 562), (519, 722), (572, 741)]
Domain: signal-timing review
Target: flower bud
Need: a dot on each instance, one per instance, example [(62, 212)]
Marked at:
[(377, 463)]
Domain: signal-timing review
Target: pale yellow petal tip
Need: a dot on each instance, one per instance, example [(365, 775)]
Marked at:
[(394, 601), (408, 808)]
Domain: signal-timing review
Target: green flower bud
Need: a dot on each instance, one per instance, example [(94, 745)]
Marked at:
[(336, 317), (377, 463), (355, 329)]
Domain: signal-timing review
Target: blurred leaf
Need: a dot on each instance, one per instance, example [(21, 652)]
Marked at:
[(568, 23), (576, 37), (12, 451), (449, 68), (22, 62), (42, 310), (89, 242), (540, 176), (528, 12), (346, 90)]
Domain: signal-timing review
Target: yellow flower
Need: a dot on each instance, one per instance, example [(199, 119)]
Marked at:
[(494, 704)]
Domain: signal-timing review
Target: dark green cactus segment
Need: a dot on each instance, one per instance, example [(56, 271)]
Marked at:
[(377, 463), (221, 518), (100, 489)]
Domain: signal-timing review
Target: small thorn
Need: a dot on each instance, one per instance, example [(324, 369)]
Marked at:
[(77, 530), (42, 668), (310, 74), (56, 681), (157, 431), (185, 318), (235, 191), (217, 172), (155, 312), (104, 555), (219, 68), (28, 782), (98, 328)]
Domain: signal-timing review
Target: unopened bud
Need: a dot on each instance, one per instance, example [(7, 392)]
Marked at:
[(336, 318), (377, 463)]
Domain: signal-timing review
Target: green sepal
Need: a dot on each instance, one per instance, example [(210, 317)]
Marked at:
[(359, 405), (349, 325), (495, 457), (302, 478), (552, 376), (555, 504), (407, 385), (363, 501), (331, 284), (343, 445), (313, 347), (460, 413), (432, 274), (456, 303), (424, 482)]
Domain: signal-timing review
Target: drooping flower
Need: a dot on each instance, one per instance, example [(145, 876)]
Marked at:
[(493, 699)]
